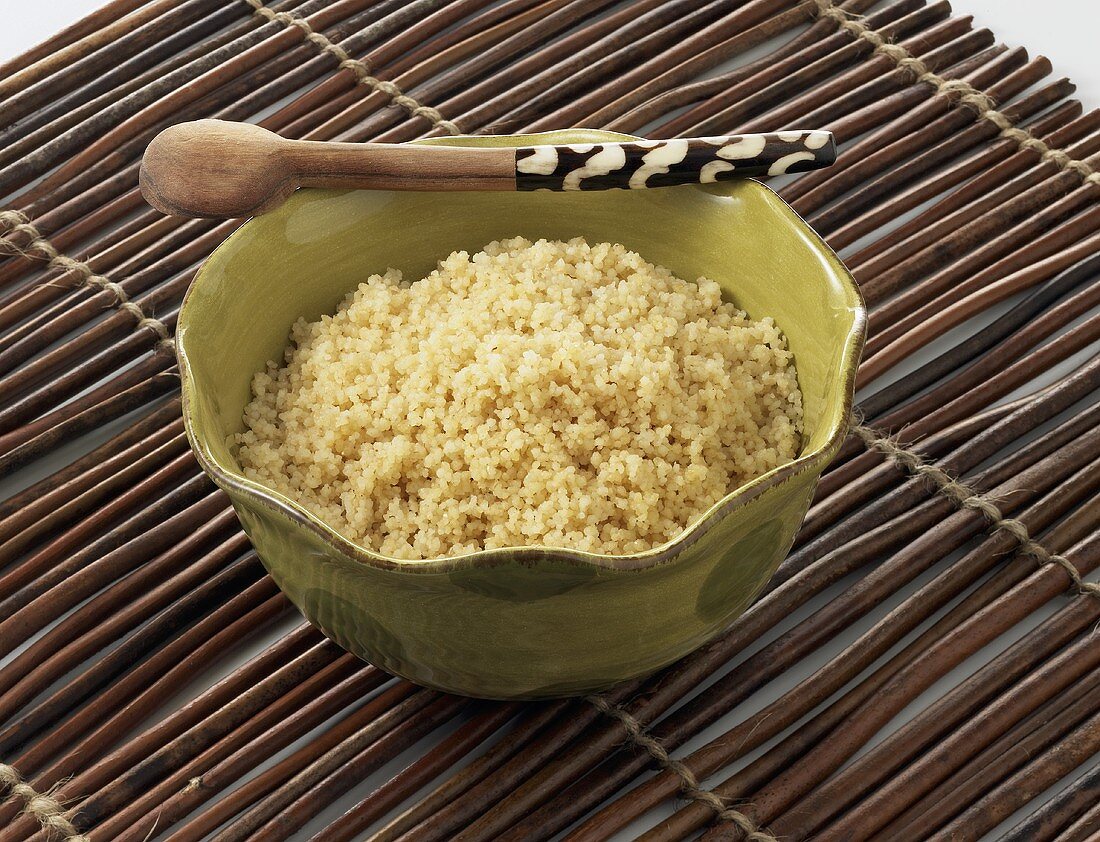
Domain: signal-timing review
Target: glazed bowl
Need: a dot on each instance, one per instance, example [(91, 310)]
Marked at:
[(526, 622)]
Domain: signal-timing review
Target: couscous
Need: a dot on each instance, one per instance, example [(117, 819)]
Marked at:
[(550, 393)]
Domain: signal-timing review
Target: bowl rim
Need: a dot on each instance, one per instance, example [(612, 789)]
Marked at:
[(236, 483)]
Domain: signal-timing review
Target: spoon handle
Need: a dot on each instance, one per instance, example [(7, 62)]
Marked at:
[(214, 168), (663, 163)]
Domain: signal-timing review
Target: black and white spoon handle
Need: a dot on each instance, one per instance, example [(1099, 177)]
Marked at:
[(215, 168), (662, 163)]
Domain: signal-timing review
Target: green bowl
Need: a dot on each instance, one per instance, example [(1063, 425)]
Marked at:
[(527, 622)]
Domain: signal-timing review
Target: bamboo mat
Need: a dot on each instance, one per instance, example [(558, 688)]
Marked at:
[(923, 666)]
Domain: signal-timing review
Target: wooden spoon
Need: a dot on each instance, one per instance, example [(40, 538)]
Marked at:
[(215, 168)]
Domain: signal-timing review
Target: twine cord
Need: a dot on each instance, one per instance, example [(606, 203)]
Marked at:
[(967, 497), (359, 69), (45, 808), (958, 91), (40, 248), (689, 784)]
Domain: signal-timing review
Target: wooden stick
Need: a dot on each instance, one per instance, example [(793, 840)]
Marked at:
[(222, 586), (1030, 781), (998, 675), (49, 63), (444, 755), (76, 73), (192, 728), (49, 120), (131, 399), (819, 59), (748, 734), (141, 692), (1056, 676), (289, 717), (533, 719), (103, 16), (1001, 758), (890, 184), (261, 785)]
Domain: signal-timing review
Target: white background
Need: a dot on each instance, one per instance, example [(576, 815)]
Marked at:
[(1063, 31)]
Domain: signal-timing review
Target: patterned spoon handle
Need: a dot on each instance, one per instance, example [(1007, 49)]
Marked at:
[(222, 169), (662, 163)]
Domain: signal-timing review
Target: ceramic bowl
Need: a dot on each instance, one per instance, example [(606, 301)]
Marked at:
[(529, 622)]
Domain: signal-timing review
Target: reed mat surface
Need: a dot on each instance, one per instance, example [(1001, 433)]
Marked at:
[(924, 665)]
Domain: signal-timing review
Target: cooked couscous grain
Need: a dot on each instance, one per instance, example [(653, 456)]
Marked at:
[(553, 393)]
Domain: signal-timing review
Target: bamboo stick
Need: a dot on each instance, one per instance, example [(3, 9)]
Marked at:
[(28, 305), (634, 109), (133, 398), (77, 72), (89, 468), (453, 816), (280, 723), (967, 377), (77, 214), (254, 789), (890, 312), (1040, 773), (412, 778), (493, 95), (889, 799), (103, 16), (952, 313), (1057, 127), (797, 782), (345, 111), (381, 715), (191, 729), (183, 467), (936, 118), (158, 101), (221, 587), (891, 121), (533, 719), (837, 55), (649, 110), (998, 247), (38, 602), (143, 691), (1000, 759), (997, 675), (1084, 829), (51, 119), (33, 523), (161, 362), (293, 816), (97, 39), (889, 185), (1049, 295), (701, 51), (121, 607), (756, 729), (854, 106)]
